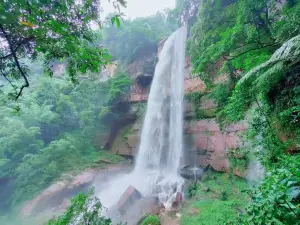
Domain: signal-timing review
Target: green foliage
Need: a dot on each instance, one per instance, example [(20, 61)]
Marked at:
[(241, 31), (192, 189), (151, 220), (85, 210), (240, 38), (38, 170), (288, 24), (239, 158), (55, 129), (60, 31), (237, 105), (221, 93), (276, 200), (137, 38), (222, 198), (195, 99)]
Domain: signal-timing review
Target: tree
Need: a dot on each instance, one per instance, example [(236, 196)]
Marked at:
[(53, 30), (232, 30), (85, 210), (137, 38)]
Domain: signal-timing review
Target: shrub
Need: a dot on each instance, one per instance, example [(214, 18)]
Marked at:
[(151, 220), (192, 189)]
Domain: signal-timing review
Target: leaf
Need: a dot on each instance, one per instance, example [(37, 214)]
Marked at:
[(28, 24), (113, 20), (118, 22), (116, 19)]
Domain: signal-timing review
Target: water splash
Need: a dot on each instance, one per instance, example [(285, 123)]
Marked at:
[(160, 152)]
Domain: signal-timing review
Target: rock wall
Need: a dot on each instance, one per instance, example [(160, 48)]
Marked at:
[(207, 144), (127, 139), (192, 84)]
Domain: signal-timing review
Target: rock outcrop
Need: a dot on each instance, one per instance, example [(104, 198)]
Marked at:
[(57, 196), (141, 71), (209, 145)]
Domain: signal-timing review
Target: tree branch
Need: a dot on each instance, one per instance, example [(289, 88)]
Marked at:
[(23, 74), (9, 81), (24, 41), (250, 50)]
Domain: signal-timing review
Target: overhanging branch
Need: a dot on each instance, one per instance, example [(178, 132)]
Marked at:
[(23, 74), (250, 50), (24, 41)]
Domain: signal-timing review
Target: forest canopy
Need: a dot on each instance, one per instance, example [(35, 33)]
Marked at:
[(137, 38)]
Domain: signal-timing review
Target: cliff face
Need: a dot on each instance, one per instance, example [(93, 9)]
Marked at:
[(124, 138), (205, 142)]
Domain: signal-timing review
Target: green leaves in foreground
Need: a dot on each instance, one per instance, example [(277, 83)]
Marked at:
[(151, 220), (84, 210), (277, 199)]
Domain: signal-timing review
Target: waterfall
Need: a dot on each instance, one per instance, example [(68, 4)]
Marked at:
[(161, 141), (160, 152)]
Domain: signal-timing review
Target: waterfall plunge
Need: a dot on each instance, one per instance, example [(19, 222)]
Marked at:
[(160, 152)]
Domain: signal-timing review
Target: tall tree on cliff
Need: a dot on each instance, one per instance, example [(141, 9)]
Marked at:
[(53, 29)]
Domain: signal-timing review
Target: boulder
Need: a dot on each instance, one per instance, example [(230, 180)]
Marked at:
[(130, 196), (178, 200)]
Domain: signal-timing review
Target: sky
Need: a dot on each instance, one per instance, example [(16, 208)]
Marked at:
[(140, 8)]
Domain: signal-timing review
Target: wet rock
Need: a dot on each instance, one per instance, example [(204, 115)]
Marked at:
[(191, 172), (179, 197), (48, 193), (152, 204), (177, 202), (130, 196)]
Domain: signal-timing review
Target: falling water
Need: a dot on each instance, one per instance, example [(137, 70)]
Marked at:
[(160, 152), (161, 141)]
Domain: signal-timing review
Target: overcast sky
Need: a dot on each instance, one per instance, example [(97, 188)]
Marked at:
[(140, 8)]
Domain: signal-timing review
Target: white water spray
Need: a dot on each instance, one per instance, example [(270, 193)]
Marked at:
[(160, 152)]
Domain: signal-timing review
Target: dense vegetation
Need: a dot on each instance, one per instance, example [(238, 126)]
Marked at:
[(151, 220), (253, 48), (137, 38), (56, 128), (85, 209), (49, 30), (52, 128), (214, 200)]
